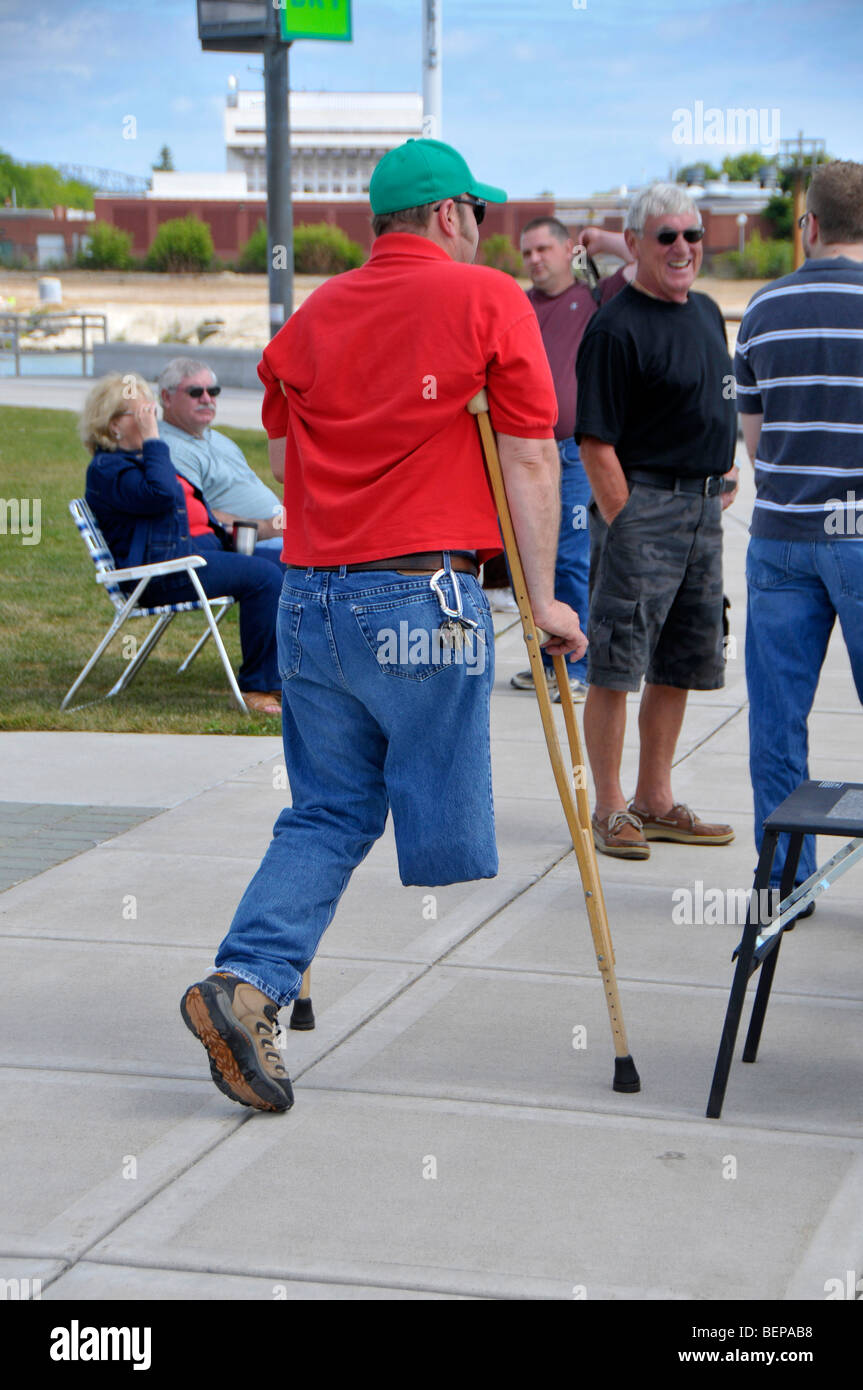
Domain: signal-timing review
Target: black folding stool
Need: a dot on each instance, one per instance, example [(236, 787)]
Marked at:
[(815, 808)]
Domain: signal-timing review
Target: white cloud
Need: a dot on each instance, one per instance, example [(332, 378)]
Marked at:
[(461, 43)]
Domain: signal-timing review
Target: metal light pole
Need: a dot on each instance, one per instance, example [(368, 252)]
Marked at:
[(432, 69), (280, 219)]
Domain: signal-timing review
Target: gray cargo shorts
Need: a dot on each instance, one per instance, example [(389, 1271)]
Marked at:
[(656, 594)]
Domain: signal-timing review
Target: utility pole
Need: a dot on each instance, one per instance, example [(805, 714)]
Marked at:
[(798, 157), (432, 70), (267, 27), (280, 217)]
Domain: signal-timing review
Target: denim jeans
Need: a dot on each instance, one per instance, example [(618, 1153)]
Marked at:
[(572, 570), (376, 715), (270, 549), (256, 584), (796, 590)]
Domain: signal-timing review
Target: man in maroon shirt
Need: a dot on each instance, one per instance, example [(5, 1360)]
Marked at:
[(564, 306)]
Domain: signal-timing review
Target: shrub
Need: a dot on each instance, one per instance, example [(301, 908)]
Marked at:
[(779, 212), (322, 249), (500, 253), (253, 256), (109, 249), (762, 259), (184, 243)]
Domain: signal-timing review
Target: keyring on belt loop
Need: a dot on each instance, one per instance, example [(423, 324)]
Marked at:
[(434, 585)]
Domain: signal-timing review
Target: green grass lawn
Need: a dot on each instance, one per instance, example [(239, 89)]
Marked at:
[(54, 612)]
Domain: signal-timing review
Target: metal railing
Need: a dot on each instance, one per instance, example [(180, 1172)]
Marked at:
[(14, 327)]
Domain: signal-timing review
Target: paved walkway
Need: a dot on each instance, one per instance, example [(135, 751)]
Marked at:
[(455, 1133)]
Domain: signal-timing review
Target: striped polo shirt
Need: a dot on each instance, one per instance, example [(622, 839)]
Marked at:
[(799, 363)]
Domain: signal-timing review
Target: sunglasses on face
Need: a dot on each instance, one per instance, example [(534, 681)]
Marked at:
[(196, 392), (479, 206), (667, 237)]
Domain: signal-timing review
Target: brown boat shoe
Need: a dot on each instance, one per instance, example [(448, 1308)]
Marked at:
[(263, 701), (682, 826), (619, 834)]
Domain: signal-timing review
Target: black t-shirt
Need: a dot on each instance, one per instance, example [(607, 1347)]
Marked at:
[(656, 381)]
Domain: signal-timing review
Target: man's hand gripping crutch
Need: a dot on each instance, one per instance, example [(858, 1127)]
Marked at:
[(565, 638)]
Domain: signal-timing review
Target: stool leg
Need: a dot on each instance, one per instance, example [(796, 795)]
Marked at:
[(302, 1014), (759, 1008), (789, 873), (768, 967), (745, 953)]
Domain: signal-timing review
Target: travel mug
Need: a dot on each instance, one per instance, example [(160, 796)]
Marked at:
[(245, 534)]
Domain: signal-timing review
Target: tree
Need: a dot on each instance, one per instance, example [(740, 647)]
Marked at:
[(166, 161), (697, 173), (779, 212), (40, 186), (743, 168)]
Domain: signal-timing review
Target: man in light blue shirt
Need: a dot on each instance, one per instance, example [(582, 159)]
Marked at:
[(209, 460)]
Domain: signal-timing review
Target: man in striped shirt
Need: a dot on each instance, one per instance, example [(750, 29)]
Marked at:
[(799, 370)]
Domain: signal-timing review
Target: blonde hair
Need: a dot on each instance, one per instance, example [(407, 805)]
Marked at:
[(109, 398)]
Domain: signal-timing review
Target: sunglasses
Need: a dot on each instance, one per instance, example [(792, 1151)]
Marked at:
[(479, 206), (667, 237), (196, 392)]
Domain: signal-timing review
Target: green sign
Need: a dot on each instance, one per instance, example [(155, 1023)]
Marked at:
[(314, 19)]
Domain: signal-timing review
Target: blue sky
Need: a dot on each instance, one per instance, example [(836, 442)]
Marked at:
[(538, 95)]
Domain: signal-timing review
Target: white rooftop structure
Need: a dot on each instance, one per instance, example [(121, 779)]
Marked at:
[(337, 138), (229, 187)]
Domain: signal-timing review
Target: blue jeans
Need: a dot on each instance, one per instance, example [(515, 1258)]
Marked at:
[(376, 714), (270, 549), (256, 584), (796, 590), (572, 570)]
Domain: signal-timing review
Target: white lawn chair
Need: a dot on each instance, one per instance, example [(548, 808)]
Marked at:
[(125, 606)]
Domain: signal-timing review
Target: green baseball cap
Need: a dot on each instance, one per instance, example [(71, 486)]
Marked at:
[(423, 171)]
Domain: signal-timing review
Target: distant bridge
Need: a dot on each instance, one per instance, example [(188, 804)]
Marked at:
[(105, 180)]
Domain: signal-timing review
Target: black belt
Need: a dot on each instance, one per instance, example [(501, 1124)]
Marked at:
[(707, 487), (422, 560)]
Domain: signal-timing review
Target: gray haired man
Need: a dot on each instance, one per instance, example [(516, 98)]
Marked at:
[(208, 459), (656, 426)]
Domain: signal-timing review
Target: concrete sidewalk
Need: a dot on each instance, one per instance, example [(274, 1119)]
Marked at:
[(455, 1134)]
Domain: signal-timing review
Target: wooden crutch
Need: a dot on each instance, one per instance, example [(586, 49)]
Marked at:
[(575, 806)]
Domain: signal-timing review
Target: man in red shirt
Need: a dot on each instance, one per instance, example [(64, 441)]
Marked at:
[(386, 645)]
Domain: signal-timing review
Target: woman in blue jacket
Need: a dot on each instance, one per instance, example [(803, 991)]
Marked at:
[(148, 514)]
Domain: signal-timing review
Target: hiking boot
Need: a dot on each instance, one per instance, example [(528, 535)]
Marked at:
[(524, 681), (236, 1024), (682, 826), (619, 834)]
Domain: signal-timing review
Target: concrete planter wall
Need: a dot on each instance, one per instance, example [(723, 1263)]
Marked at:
[(233, 366)]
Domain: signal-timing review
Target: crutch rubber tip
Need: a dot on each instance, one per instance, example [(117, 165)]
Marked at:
[(626, 1078), (302, 1016)]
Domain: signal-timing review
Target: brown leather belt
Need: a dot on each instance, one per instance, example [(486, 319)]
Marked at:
[(422, 561)]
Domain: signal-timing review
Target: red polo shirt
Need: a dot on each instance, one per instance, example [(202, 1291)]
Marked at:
[(368, 383), (199, 522)]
